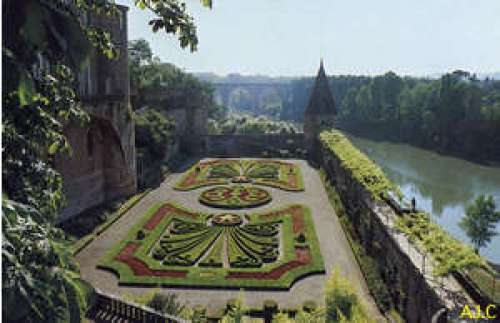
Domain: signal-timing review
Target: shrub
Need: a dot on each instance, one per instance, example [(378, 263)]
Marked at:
[(153, 132), (199, 314), (270, 305), (340, 298), (167, 304), (231, 303), (301, 238), (282, 318), (140, 235), (309, 306)]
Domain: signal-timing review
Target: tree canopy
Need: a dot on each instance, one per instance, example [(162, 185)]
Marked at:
[(45, 44), (480, 221)]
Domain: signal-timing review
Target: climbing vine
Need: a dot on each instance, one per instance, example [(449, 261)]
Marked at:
[(450, 254), (366, 172)]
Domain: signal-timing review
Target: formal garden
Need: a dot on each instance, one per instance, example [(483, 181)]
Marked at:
[(235, 197), (174, 246), (274, 173)]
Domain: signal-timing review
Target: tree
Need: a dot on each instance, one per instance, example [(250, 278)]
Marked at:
[(45, 43), (480, 221)]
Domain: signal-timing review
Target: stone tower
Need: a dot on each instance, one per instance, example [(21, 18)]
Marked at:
[(320, 111)]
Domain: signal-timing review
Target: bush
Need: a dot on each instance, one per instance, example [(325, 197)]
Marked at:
[(301, 238), (309, 306), (340, 298), (140, 235), (199, 314), (153, 132), (270, 305), (167, 304)]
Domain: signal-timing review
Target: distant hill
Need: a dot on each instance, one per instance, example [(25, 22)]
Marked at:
[(241, 79), (495, 76)]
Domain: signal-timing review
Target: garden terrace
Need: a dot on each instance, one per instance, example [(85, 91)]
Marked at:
[(173, 246), (335, 250)]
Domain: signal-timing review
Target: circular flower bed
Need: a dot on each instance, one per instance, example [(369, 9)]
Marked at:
[(227, 219), (235, 197)]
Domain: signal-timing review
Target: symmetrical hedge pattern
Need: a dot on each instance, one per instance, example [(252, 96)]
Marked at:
[(274, 173), (173, 246), (235, 197)]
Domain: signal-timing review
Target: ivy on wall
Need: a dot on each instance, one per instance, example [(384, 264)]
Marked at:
[(366, 172), (450, 254)]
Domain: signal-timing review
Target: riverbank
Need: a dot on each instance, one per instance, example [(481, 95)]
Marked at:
[(484, 152), (441, 185)]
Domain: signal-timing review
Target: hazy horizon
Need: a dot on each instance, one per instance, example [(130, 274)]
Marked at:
[(288, 37)]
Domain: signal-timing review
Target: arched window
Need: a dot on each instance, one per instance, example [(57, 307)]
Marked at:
[(90, 144)]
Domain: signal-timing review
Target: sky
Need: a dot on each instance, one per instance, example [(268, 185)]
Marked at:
[(288, 37)]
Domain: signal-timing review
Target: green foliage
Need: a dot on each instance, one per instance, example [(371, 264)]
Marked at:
[(365, 171), (450, 254), (480, 221), (255, 244), (245, 124), (340, 297), (316, 315), (153, 133), (341, 301), (171, 16), (265, 171), (236, 310), (167, 304), (150, 76), (369, 266), (223, 171), (488, 282), (44, 44), (31, 292), (457, 112), (140, 235)]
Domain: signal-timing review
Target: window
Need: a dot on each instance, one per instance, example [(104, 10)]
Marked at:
[(90, 144), (108, 85)]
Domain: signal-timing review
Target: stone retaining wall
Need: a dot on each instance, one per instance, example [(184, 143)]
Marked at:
[(417, 300), (253, 145)]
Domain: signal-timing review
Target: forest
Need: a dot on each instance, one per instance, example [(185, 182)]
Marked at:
[(457, 114)]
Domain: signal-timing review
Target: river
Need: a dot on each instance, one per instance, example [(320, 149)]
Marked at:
[(441, 185)]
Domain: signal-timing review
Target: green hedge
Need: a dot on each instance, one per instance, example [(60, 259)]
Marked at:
[(211, 273)]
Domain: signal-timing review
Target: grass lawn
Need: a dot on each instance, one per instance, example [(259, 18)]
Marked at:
[(172, 246)]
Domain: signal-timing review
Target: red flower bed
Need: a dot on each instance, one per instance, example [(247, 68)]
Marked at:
[(303, 257), (163, 211), (140, 268), (297, 217)]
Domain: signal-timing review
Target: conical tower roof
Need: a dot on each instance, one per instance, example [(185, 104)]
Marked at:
[(321, 100)]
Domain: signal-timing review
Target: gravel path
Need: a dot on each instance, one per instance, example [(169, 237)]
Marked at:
[(334, 247)]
